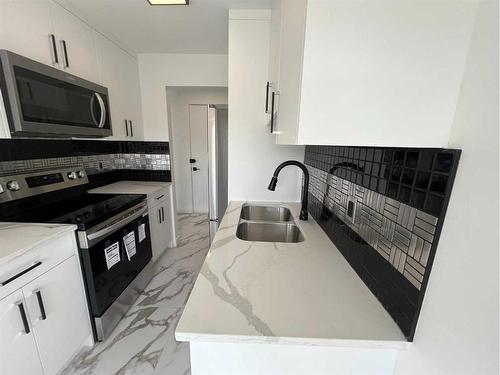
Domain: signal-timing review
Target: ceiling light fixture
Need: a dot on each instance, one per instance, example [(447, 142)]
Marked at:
[(168, 2)]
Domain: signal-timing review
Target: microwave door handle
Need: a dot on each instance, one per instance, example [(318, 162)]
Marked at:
[(92, 102), (103, 110)]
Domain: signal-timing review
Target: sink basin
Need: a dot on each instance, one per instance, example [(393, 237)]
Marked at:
[(269, 232), (266, 213)]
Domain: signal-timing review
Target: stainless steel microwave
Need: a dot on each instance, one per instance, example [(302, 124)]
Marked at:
[(42, 101)]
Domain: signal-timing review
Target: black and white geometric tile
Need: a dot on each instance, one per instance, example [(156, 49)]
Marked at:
[(401, 234), (398, 197), (93, 164)]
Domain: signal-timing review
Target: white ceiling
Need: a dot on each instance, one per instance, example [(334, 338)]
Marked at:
[(200, 27)]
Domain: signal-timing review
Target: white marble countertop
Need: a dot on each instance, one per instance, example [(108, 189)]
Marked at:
[(19, 238), (302, 293), (131, 187)]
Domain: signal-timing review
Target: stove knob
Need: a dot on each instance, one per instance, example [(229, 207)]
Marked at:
[(1, 189), (72, 175), (13, 185), (81, 174)]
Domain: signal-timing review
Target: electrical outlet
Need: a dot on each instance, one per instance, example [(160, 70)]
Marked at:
[(351, 209)]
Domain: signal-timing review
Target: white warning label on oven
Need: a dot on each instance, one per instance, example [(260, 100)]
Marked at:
[(129, 241), (112, 255), (142, 232)]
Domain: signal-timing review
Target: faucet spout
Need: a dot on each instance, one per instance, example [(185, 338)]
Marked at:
[(305, 187)]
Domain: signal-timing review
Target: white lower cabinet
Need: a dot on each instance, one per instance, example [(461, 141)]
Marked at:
[(45, 321), (17, 342), (161, 223), (60, 334)]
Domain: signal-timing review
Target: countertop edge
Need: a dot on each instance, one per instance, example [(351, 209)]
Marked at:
[(323, 342), (63, 229)]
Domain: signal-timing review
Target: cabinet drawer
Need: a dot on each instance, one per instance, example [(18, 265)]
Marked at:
[(158, 197), (35, 262)]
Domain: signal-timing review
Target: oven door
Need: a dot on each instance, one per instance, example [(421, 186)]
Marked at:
[(116, 255), (43, 101)]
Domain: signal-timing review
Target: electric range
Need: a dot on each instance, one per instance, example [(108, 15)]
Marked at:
[(112, 233)]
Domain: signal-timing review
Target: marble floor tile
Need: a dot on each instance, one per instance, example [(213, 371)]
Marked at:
[(144, 341), (134, 347)]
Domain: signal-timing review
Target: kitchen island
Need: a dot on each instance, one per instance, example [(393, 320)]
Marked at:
[(263, 307)]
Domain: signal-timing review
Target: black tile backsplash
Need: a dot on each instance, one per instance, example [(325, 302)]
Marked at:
[(401, 196), (106, 178), (24, 149), (418, 177)]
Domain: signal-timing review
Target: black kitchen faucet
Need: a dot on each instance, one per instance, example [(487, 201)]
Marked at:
[(305, 187)]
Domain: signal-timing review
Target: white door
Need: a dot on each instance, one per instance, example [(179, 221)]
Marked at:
[(64, 329), (198, 127), (25, 27), (80, 44), (17, 347)]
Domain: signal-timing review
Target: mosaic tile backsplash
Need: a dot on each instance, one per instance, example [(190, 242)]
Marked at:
[(383, 208), (98, 157)]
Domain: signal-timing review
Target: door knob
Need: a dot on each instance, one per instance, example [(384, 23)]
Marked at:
[(192, 161), (196, 169)]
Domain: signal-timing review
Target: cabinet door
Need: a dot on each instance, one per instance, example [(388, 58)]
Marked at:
[(80, 44), (132, 95), (18, 348), (25, 27), (112, 77), (293, 23), (65, 328), (157, 233), (120, 74), (275, 45)]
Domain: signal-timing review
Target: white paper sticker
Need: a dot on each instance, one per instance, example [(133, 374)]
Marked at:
[(142, 232), (112, 255), (129, 241)]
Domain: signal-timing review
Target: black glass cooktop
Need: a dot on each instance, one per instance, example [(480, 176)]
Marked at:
[(85, 210)]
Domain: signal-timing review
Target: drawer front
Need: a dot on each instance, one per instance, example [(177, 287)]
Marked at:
[(158, 197), (23, 269)]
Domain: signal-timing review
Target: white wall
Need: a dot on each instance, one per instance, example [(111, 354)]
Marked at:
[(179, 99), (253, 154), (457, 331), (160, 70)]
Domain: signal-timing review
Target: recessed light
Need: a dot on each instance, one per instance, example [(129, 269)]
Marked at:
[(168, 2)]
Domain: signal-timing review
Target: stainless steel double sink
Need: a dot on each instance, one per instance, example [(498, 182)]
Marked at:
[(267, 224)]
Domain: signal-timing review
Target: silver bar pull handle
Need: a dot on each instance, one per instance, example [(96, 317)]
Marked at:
[(118, 224)]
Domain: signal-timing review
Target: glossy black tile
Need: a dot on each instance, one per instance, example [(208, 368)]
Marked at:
[(26, 149)]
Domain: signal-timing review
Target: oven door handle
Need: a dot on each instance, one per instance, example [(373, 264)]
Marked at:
[(112, 227)]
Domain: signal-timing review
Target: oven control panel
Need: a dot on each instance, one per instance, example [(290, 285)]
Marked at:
[(30, 184)]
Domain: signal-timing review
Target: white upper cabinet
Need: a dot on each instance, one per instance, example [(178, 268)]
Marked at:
[(383, 73), (46, 32), (76, 44), (25, 27), (120, 74)]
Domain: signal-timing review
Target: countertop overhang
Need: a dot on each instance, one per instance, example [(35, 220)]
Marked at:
[(19, 238), (302, 293)]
